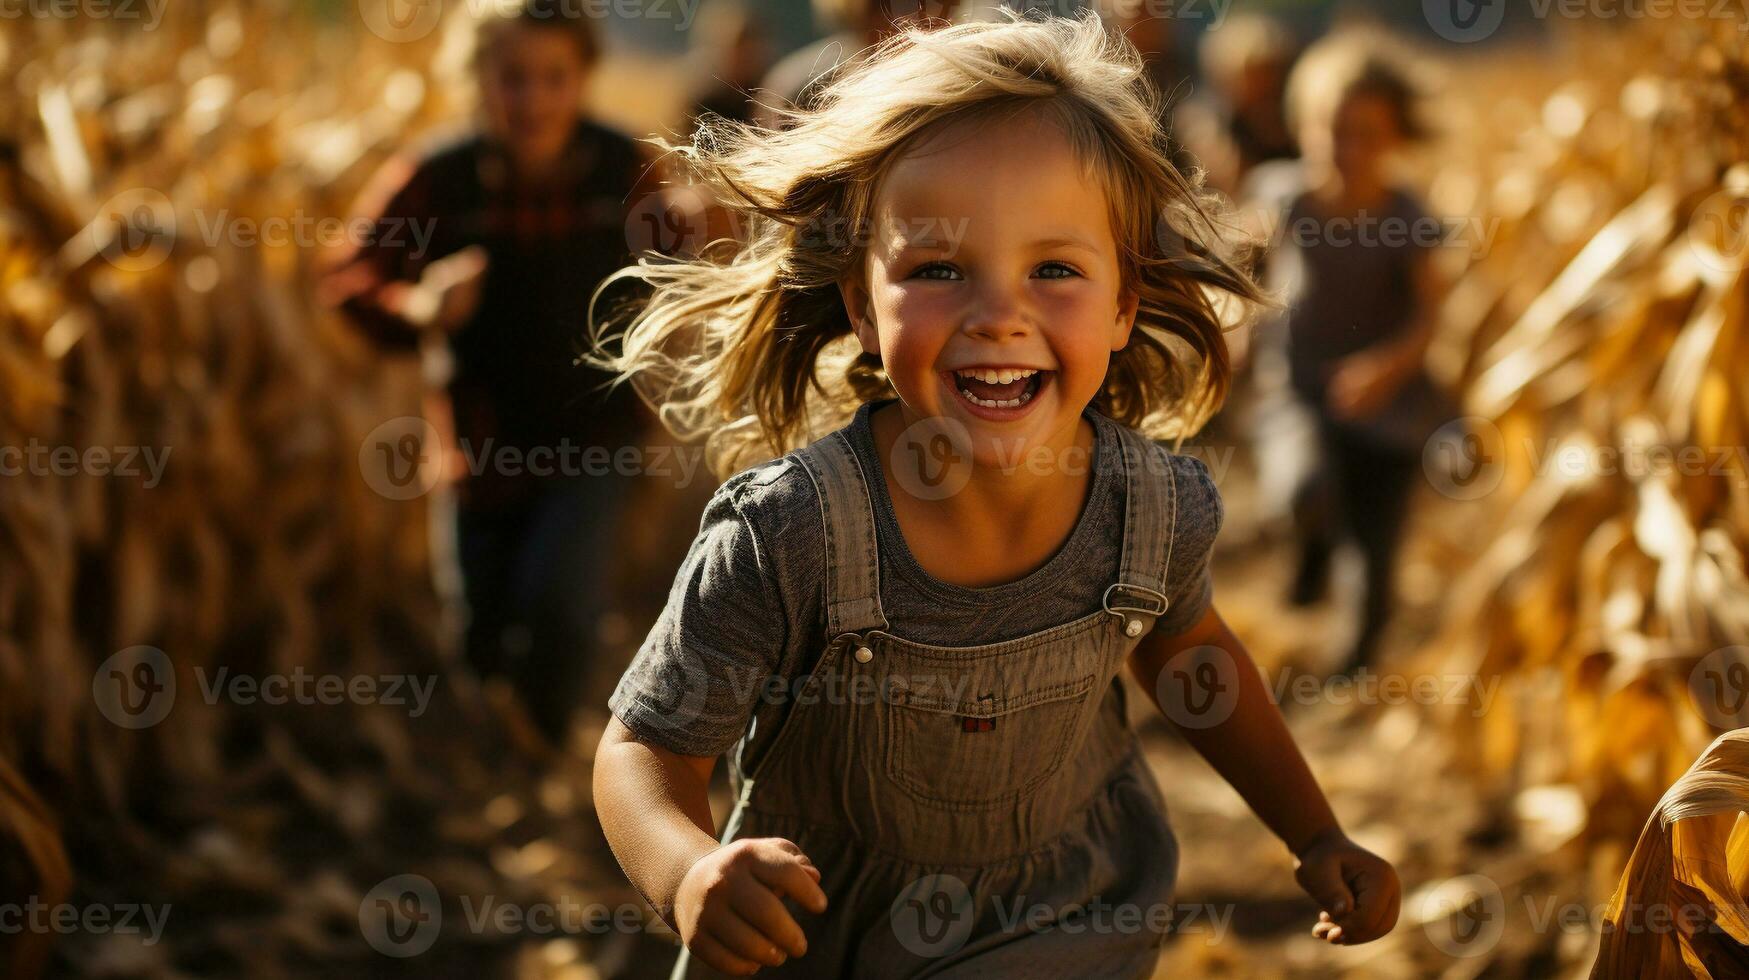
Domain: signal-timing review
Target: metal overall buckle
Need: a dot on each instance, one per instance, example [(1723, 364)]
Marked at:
[(1133, 626)]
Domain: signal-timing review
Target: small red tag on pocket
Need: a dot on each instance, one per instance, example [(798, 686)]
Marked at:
[(973, 723)]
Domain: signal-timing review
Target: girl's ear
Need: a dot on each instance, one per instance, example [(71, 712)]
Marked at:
[(861, 312), (1127, 302)]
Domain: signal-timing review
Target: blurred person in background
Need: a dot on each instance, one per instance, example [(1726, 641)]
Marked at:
[(798, 78), (1353, 257), (527, 215), (731, 51), (1156, 37), (1239, 120), (1235, 127)]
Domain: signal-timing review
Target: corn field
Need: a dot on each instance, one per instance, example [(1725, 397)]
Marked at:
[(1601, 325), (260, 546), (1611, 596)]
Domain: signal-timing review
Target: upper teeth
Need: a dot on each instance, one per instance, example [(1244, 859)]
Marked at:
[(997, 377)]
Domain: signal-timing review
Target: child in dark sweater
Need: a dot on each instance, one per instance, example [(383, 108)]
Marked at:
[(519, 222)]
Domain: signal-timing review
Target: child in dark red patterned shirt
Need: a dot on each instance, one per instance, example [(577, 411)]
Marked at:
[(518, 223)]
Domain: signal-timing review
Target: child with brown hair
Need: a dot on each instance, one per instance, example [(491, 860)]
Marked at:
[(1355, 259), (516, 222), (908, 632)]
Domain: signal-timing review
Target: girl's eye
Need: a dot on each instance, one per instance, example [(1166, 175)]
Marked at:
[(936, 270), (941, 270)]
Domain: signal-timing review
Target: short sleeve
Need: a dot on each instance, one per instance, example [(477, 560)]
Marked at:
[(695, 681), (1189, 577)]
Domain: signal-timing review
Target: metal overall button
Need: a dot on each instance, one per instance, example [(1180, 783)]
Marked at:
[(1133, 625), (862, 651)]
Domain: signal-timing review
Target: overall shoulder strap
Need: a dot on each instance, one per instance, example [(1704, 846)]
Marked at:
[(1150, 513), (852, 559)]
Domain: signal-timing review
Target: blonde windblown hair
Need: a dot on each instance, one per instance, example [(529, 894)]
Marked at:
[(748, 343)]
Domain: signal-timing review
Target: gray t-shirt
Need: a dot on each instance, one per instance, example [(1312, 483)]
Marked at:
[(745, 619), (1350, 285)]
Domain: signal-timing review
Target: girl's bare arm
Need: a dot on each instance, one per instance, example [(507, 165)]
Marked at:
[(1225, 713), (654, 807), (1216, 697), (725, 901)]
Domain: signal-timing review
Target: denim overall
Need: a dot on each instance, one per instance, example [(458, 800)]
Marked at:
[(962, 803)]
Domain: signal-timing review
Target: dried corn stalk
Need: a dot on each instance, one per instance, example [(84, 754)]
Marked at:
[(1605, 324), (1679, 909), (125, 323)]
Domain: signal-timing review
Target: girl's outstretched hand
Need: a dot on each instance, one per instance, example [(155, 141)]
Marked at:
[(729, 908), (1358, 890)]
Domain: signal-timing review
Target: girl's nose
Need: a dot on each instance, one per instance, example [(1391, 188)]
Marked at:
[(999, 315)]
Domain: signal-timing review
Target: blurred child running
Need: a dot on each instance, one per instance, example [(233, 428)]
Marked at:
[(528, 215), (1355, 257)]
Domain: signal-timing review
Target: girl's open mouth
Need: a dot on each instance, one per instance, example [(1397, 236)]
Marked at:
[(998, 392)]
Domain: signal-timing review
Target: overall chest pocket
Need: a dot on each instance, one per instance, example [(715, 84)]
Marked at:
[(969, 751)]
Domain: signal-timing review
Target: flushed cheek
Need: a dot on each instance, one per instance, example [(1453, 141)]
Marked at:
[(923, 307), (914, 331), (1080, 337), (912, 370)]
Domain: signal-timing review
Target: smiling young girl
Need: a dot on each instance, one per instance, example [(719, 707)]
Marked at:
[(907, 633)]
